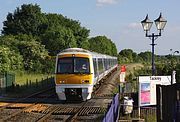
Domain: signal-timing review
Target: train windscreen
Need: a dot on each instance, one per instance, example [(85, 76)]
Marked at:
[(73, 65)]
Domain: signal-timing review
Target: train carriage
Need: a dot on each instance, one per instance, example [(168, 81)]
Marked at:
[(78, 71)]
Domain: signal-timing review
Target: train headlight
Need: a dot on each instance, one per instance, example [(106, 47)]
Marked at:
[(85, 81), (84, 90), (62, 81)]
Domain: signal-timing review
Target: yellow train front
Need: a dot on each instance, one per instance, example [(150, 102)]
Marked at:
[(77, 73)]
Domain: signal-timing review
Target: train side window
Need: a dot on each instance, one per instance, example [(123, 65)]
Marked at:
[(103, 61), (105, 64), (100, 65), (95, 67)]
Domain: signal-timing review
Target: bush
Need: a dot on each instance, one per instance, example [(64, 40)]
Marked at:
[(10, 60)]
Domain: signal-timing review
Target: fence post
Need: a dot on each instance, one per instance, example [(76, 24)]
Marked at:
[(42, 82), (36, 83), (146, 114), (27, 83), (47, 81), (30, 83)]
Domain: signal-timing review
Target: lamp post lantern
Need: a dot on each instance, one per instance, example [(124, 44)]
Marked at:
[(147, 24)]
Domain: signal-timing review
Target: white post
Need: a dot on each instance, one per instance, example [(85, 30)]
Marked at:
[(139, 108), (173, 77)]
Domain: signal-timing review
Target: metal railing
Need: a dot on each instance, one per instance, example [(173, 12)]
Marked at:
[(112, 115)]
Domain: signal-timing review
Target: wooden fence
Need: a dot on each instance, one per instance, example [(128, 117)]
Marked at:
[(6, 79), (168, 103), (29, 87)]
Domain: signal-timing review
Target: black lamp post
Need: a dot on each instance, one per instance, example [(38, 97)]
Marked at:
[(160, 24)]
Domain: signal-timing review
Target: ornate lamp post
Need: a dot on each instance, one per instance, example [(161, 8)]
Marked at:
[(147, 24)]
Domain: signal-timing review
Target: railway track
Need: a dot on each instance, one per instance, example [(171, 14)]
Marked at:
[(72, 113), (47, 112), (14, 109), (88, 108), (93, 109)]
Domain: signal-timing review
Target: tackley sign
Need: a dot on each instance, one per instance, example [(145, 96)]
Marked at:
[(147, 88)]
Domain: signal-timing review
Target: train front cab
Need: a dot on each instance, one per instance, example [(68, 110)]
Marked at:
[(74, 77)]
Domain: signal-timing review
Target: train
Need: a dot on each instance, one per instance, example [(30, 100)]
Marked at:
[(78, 71)]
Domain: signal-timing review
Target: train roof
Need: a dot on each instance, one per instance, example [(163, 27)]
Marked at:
[(75, 50), (81, 50)]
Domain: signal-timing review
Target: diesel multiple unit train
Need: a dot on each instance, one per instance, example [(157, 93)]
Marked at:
[(79, 70)]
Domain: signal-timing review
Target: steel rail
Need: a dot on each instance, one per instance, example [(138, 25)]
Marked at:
[(20, 111), (21, 99), (42, 119), (74, 117)]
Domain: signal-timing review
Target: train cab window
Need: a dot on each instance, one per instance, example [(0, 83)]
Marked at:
[(73, 65), (65, 65), (81, 65)]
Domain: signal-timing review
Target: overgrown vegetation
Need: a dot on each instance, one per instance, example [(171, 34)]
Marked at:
[(31, 39), (164, 65), (22, 78)]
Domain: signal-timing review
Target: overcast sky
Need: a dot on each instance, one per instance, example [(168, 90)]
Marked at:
[(119, 20)]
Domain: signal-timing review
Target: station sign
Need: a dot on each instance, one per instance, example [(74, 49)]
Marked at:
[(122, 73), (147, 88)]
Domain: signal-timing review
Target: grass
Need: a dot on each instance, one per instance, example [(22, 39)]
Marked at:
[(151, 118), (133, 66), (22, 78)]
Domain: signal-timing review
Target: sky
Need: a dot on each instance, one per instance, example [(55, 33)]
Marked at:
[(118, 20)]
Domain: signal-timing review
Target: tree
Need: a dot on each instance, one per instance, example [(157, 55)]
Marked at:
[(178, 72), (28, 19), (58, 40), (33, 55), (10, 60), (146, 56), (81, 37), (58, 22), (25, 20), (27, 31), (128, 53), (10, 42), (114, 49), (102, 44)]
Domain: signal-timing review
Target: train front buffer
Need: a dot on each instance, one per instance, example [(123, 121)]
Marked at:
[(74, 87)]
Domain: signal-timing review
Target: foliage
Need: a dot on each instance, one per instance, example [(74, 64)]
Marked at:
[(178, 73), (146, 56), (57, 40), (151, 118), (31, 38), (25, 20), (63, 31), (33, 54), (127, 53), (9, 60), (31, 34), (164, 65), (143, 71), (22, 77), (9, 41), (102, 44), (167, 65), (50, 29), (58, 22), (128, 56)]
